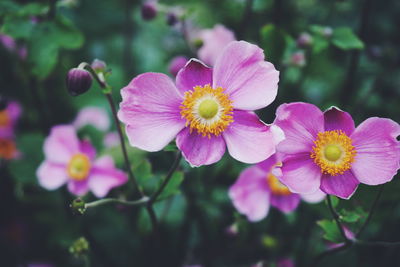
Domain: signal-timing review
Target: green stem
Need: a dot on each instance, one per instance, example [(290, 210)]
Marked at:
[(336, 218), (104, 201), (371, 211)]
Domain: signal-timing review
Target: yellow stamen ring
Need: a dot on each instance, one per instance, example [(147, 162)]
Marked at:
[(79, 167), (277, 188), (207, 110), (333, 152)]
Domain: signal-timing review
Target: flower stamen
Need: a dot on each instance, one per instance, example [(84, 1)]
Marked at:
[(79, 167)]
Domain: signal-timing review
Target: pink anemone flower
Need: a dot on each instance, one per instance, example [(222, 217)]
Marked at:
[(97, 117), (176, 64), (258, 188), (207, 110), (324, 150), (69, 160), (214, 41)]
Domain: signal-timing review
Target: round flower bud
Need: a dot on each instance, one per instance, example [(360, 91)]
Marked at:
[(172, 19), (304, 40), (78, 206), (98, 65), (149, 10), (298, 59), (79, 247), (78, 81)]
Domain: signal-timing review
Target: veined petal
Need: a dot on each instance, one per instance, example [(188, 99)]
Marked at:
[(200, 150), (248, 139), (251, 82), (51, 175), (150, 111), (194, 73), (61, 144), (301, 123), (88, 149), (336, 119), (342, 185), (250, 194), (378, 154), (285, 203)]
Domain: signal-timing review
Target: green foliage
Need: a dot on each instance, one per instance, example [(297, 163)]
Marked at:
[(344, 38), (274, 41), (172, 187), (331, 231)]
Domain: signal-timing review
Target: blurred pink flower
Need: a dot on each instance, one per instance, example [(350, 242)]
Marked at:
[(258, 187), (298, 59), (69, 160), (176, 64), (111, 139), (97, 117), (8, 42), (214, 41), (207, 110)]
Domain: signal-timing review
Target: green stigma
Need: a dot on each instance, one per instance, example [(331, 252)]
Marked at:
[(332, 152), (208, 108)]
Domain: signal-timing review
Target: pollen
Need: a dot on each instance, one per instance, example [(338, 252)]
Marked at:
[(4, 118), (333, 152), (207, 110), (277, 188), (79, 167)]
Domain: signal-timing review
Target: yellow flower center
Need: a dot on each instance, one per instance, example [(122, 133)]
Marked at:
[(207, 110), (277, 188), (4, 118), (333, 152), (79, 167)]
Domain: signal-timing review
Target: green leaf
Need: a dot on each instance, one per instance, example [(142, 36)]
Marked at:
[(172, 187), (331, 231), (66, 34), (142, 171), (17, 27), (171, 147), (273, 41), (349, 216), (8, 7), (335, 201), (345, 39)]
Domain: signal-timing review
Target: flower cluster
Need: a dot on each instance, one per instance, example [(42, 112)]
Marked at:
[(9, 115)]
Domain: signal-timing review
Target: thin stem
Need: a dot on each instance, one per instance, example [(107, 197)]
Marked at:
[(371, 211), (104, 201), (336, 217), (167, 178)]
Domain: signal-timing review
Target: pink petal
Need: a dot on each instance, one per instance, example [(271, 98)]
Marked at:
[(51, 175), (378, 154), (176, 64), (214, 41), (250, 194), (300, 174), (88, 149), (97, 117), (342, 186), (267, 164), (251, 82), (285, 203), (199, 150), (194, 73), (301, 123), (61, 144), (78, 188), (150, 110), (105, 176), (14, 110), (315, 197), (336, 119), (248, 139)]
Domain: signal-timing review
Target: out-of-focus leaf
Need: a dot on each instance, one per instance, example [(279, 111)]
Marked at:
[(172, 187), (344, 38), (93, 134), (335, 201), (331, 231), (273, 41), (17, 27), (32, 9), (171, 147), (8, 7), (349, 216), (66, 34), (142, 171)]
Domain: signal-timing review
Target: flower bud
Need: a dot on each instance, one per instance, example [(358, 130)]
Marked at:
[(327, 32), (304, 40), (78, 81), (176, 64), (149, 10), (298, 59), (172, 19), (78, 206), (80, 247), (98, 65)]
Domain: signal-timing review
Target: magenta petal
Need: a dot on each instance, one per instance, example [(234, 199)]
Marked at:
[(301, 123), (301, 174), (199, 150), (343, 185), (285, 203), (88, 149), (248, 139), (104, 177), (14, 110), (195, 73), (378, 154), (267, 164), (78, 188), (336, 119), (250, 194), (61, 144), (150, 110), (251, 82), (51, 175)]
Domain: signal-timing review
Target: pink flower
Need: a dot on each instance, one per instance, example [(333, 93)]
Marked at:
[(8, 42), (258, 188), (324, 150), (97, 117), (111, 140), (69, 160), (214, 41), (207, 110), (9, 118), (298, 59), (176, 64)]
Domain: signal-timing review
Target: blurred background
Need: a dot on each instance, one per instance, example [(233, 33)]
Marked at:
[(328, 52)]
